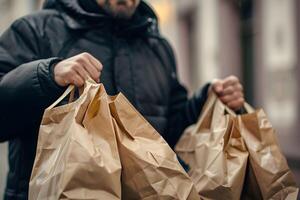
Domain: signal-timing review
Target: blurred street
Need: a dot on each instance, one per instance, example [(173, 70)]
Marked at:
[(257, 41)]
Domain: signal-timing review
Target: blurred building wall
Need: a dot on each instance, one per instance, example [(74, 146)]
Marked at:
[(277, 71), (205, 36), (230, 39)]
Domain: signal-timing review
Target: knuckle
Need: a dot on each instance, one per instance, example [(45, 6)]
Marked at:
[(76, 66), (239, 87), (85, 54), (100, 66), (239, 102), (80, 59), (235, 95), (230, 89), (233, 79), (73, 69), (215, 80), (70, 72)]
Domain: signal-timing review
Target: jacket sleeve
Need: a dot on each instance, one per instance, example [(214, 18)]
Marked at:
[(26, 84), (183, 111)]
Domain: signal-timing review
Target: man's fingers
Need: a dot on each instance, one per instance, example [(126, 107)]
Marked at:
[(77, 69), (93, 73), (96, 63), (95, 67), (77, 80), (230, 80), (82, 72), (231, 93), (228, 98), (236, 104), (228, 90), (89, 67), (232, 88)]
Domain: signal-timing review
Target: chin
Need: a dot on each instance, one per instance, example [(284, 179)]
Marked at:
[(123, 13), (121, 9)]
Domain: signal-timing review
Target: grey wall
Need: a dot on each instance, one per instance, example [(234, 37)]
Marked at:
[(3, 167)]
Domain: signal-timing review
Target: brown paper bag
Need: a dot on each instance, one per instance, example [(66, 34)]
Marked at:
[(77, 155), (269, 165), (150, 169), (215, 153)]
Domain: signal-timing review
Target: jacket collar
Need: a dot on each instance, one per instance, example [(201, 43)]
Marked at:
[(144, 20)]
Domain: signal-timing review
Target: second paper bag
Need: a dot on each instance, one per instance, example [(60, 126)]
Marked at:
[(215, 152), (274, 177), (150, 169)]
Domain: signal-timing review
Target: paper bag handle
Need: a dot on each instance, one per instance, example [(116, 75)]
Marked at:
[(212, 100), (248, 108), (224, 110), (70, 90)]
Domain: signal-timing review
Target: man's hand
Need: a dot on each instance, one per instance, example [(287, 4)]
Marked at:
[(77, 69), (230, 92)]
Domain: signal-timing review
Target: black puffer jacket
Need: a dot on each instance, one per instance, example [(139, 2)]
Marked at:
[(137, 62)]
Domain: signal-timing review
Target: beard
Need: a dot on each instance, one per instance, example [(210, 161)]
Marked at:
[(120, 9)]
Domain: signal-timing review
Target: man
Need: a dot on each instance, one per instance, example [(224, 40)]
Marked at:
[(69, 40)]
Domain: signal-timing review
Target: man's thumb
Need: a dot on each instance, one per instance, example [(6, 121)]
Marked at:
[(217, 86)]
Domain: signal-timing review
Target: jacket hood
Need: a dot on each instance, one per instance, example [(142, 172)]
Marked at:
[(77, 17)]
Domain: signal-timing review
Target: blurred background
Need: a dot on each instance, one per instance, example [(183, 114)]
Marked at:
[(256, 40)]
